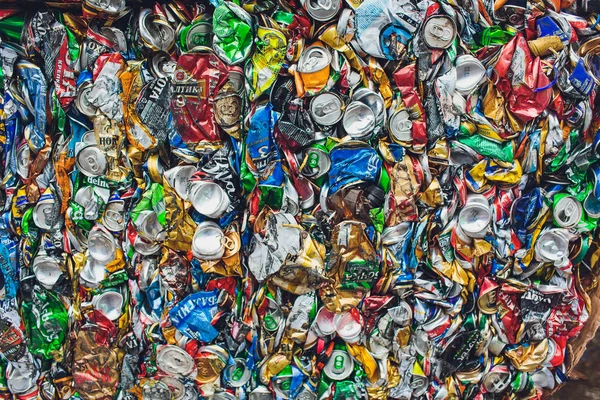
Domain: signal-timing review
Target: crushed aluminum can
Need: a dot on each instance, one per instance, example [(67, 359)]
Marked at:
[(567, 211), (552, 245), (174, 361), (359, 120), (339, 366), (208, 198), (439, 31), (474, 218), (110, 303), (322, 10), (326, 109), (91, 161)]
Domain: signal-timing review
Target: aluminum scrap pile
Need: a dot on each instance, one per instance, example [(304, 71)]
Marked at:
[(301, 199)]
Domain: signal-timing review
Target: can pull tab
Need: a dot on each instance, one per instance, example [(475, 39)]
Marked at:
[(441, 32), (325, 4)]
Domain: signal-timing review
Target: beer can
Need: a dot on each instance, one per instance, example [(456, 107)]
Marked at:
[(374, 101), (208, 198), (313, 66), (47, 270), (91, 161), (567, 211), (45, 212), (179, 178), (339, 366), (110, 303), (82, 103), (474, 218), (273, 317), (439, 31), (114, 215), (316, 162), (174, 361), (358, 120), (326, 109), (148, 227), (156, 390), (22, 375), (261, 392), (175, 386), (322, 10), (207, 243)]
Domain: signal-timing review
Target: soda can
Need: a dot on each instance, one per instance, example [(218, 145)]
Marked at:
[(313, 66), (90, 201), (470, 74), (282, 382), (101, 245), (322, 10), (339, 366), (82, 103), (156, 390), (91, 161), (358, 120), (162, 65), (21, 375), (174, 361), (497, 380), (439, 31), (237, 375), (474, 218), (374, 101), (208, 241), (400, 126), (110, 303), (148, 227), (349, 325), (199, 34), (114, 214), (316, 162), (327, 109), (546, 26), (261, 392), (23, 160), (45, 212), (581, 79), (324, 321), (158, 36), (208, 198), (47, 270), (273, 316), (567, 211), (552, 245), (177, 388), (179, 178)]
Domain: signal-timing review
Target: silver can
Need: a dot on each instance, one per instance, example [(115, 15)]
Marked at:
[(174, 361), (313, 59), (358, 120), (157, 36), (474, 218), (47, 270), (552, 245), (339, 366), (439, 31), (567, 212), (326, 109), (470, 74), (322, 10), (400, 126), (208, 198), (237, 375), (82, 103), (148, 226), (208, 241), (91, 161), (114, 216), (23, 160), (199, 34), (102, 245), (110, 303), (179, 178), (162, 65)]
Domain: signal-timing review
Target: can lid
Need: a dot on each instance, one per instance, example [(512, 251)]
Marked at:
[(101, 245), (358, 120), (400, 126), (439, 32), (326, 109), (474, 219), (339, 366), (322, 10), (47, 270), (325, 321), (208, 198), (567, 212), (175, 386), (469, 74), (313, 59), (237, 375), (347, 326), (552, 245), (207, 243), (110, 304), (91, 161), (173, 360), (497, 380)]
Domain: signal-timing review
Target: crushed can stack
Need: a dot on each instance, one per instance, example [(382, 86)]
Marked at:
[(297, 199)]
